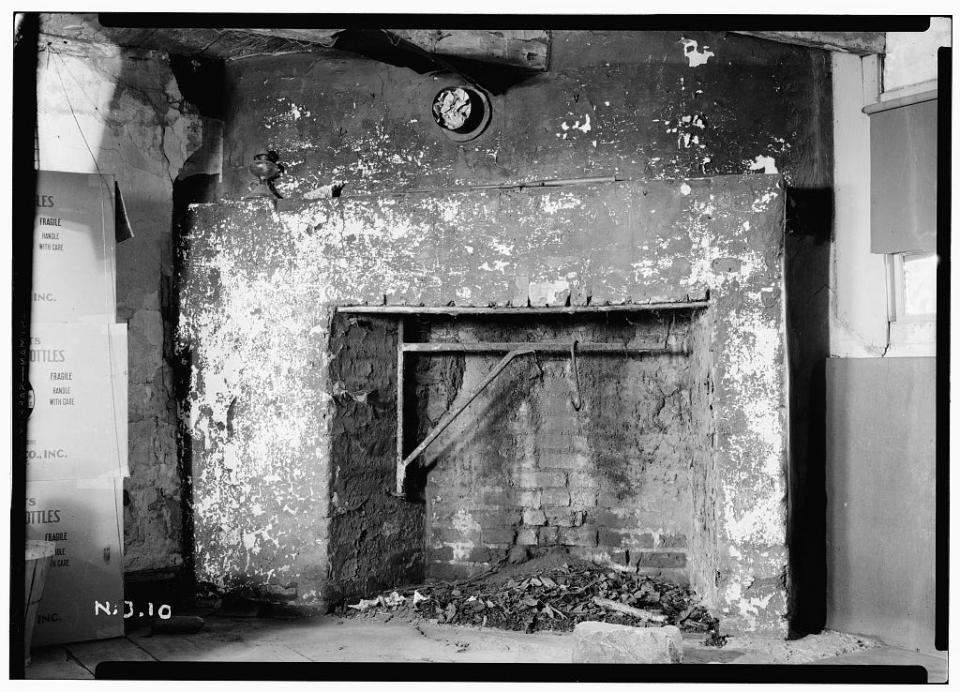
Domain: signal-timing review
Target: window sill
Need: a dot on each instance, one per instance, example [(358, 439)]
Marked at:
[(912, 339)]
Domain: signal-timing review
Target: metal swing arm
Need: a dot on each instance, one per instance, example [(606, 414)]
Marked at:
[(514, 350), (451, 416)]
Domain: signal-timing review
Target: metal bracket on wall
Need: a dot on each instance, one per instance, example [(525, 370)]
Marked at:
[(578, 402), (513, 350)]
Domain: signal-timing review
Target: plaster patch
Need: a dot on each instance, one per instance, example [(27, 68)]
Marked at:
[(762, 521), (498, 266), (461, 549), (747, 608), (464, 522), (767, 164), (585, 127), (760, 204), (552, 203), (694, 56), (548, 292)]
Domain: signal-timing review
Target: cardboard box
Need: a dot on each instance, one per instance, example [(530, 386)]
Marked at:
[(83, 593), (78, 427), (74, 248)]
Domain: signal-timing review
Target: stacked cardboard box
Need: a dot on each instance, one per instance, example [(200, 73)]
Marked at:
[(77, 431)]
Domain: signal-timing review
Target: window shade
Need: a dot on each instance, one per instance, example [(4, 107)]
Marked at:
[(903, 179)]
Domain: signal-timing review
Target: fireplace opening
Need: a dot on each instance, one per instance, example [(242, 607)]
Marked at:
[(605, 455)]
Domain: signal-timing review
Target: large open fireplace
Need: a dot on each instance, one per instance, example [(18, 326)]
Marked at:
[(399, 389), (589, 438)]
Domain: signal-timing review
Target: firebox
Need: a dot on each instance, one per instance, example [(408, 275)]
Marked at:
[(525, 431)]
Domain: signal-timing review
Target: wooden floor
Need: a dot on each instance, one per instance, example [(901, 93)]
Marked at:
[(331, 639)]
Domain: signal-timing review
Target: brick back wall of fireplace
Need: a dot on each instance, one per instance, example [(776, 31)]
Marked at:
[(523, 468)]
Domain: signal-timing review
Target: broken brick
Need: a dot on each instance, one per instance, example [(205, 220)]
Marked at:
[(672, 541), (603, 642)]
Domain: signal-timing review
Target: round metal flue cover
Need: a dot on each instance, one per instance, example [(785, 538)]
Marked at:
[(461, 112)]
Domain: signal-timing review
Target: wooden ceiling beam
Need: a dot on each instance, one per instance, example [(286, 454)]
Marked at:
[(857, 42), (320, 37), (210, 43), (525, 49)]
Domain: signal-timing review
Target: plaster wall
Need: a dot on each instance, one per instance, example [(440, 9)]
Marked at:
[(120, 112), (858, 311), (910, 62)]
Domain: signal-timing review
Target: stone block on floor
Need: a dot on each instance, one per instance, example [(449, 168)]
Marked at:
[(602, 642)]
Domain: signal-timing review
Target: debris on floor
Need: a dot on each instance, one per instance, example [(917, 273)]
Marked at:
[(811, 648), (549, 597)]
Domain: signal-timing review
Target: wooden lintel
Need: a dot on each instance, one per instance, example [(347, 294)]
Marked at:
[(526, 49), (857, 42), (422, 310)]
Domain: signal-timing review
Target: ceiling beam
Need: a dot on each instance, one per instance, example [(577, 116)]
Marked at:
[(526, 49), (321, 37), (191, 42), (857, 42)]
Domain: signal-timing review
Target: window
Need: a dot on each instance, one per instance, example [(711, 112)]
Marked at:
[(912, 302)]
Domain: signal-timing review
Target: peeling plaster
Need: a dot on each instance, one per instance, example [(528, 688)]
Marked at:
[(549, 292), (747, 608), (767, 164), (566, 129), (694, 56)]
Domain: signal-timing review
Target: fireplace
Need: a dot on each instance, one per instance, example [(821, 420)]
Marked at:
[(668, 456), (595, 439)]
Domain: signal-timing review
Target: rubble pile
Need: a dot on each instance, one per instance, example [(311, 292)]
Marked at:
[(556, 598)]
